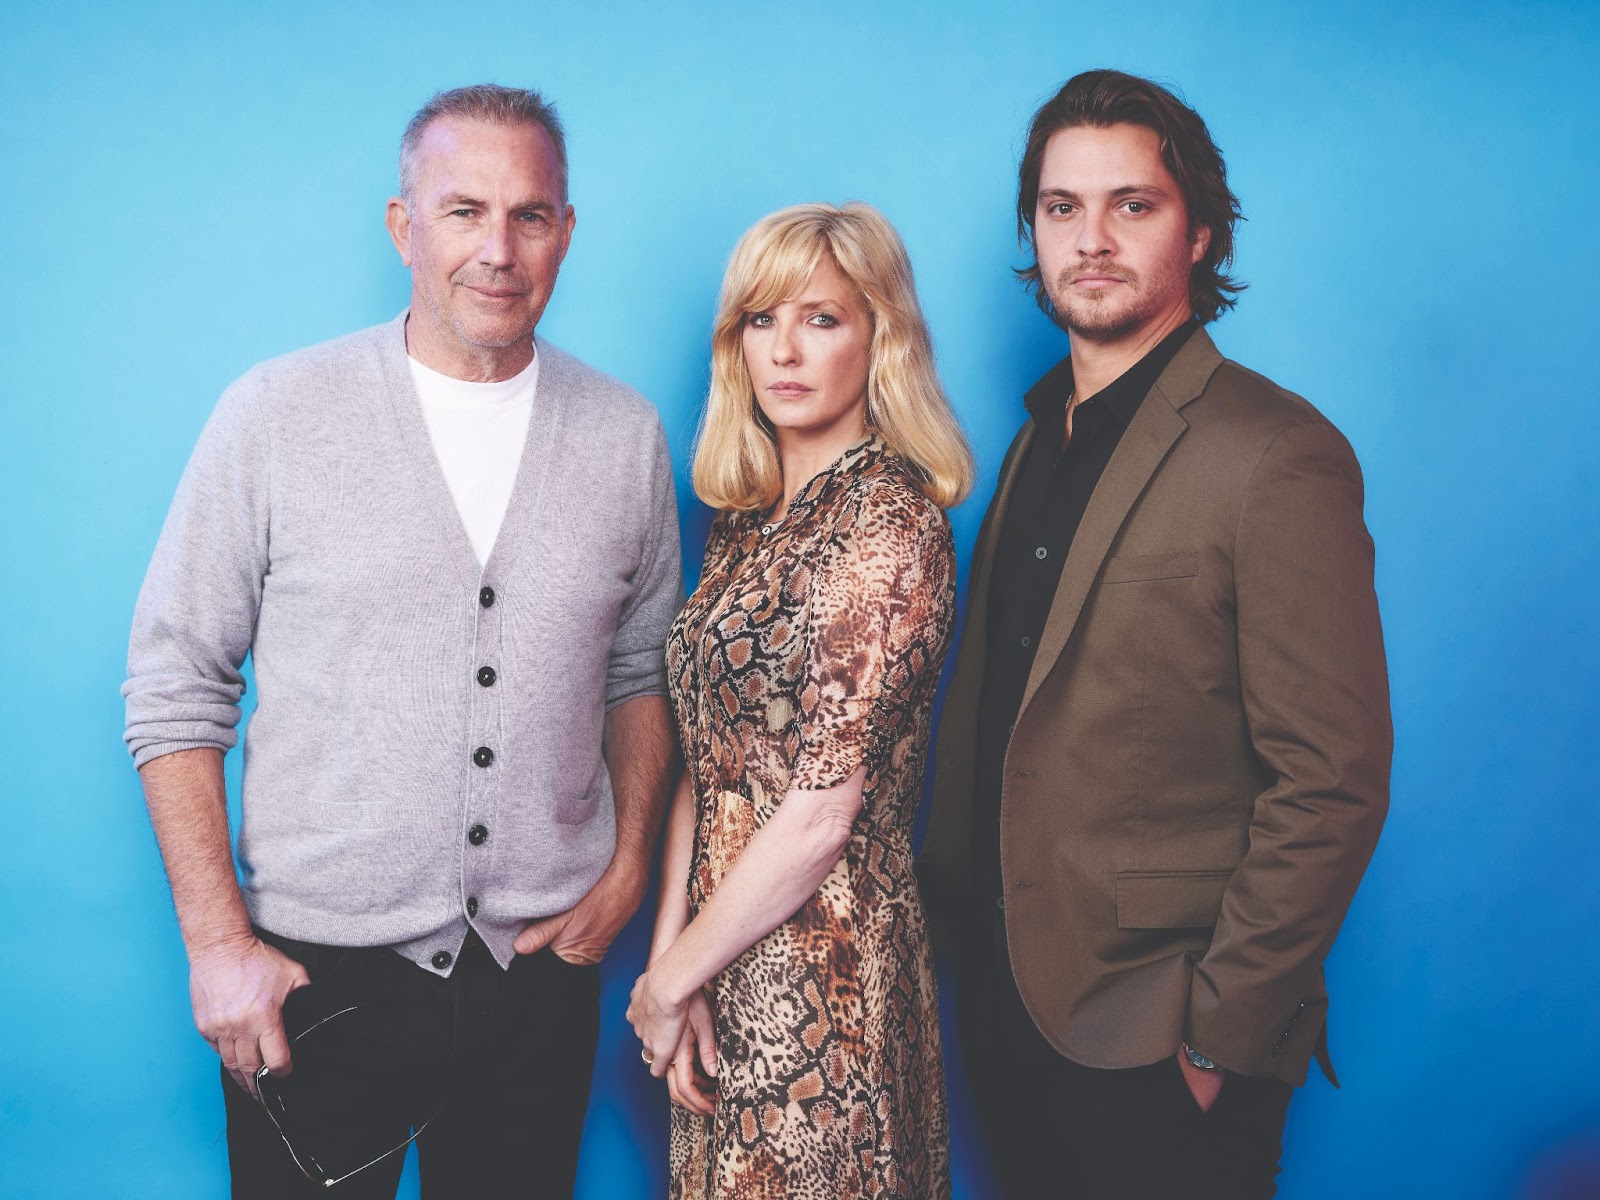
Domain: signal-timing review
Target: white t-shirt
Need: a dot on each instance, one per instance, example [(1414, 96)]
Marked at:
[(478, 430)]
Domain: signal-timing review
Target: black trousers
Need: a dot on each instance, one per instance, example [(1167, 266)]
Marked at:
[(496, 1062), (1057, 1129)]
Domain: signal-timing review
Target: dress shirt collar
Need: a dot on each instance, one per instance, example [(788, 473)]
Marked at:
[(1116, 402)]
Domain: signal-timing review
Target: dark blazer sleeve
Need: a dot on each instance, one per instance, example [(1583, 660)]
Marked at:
[(1316, 699), (944, 863)]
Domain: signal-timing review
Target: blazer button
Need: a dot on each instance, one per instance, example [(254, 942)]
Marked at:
[(1000, 902), (472, 906), (486, 597), (441, 960), (483, 756), (478, 835), (486, 676)]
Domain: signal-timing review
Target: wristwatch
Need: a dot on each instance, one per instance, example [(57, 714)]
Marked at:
[(1199, 1060)]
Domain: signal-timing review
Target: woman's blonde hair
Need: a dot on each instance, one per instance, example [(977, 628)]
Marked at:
[(736, 457)]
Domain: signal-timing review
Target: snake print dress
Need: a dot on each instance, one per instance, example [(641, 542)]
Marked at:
[(805, 652)]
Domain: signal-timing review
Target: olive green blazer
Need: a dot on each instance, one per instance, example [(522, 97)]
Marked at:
[(1200, 766)]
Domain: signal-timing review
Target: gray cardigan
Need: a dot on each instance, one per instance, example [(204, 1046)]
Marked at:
[(387, 780)]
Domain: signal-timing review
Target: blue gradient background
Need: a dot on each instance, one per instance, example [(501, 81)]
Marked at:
[(195, 187)]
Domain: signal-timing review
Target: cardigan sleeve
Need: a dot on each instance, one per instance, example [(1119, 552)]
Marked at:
[(196, 613), (637, 666)]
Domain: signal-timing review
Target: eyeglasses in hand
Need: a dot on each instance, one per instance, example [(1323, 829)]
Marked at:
[(310, 1108)]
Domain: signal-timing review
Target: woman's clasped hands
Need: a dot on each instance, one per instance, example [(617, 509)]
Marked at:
[(678, 1042)]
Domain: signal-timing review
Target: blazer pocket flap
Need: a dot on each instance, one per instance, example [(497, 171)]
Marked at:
[(1170, 899), (1174, 564)]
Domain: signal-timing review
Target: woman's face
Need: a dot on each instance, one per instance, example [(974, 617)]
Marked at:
[(808, 357)]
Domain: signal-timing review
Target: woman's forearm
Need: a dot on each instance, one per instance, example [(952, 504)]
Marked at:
[(672, 912), (781, 868)]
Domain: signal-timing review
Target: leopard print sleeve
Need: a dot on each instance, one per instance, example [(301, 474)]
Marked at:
[(880, 619)]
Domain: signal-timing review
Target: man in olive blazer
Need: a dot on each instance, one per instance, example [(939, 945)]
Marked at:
[(1197, 766)]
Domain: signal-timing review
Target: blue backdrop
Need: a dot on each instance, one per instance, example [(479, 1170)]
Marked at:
[(195, 187)]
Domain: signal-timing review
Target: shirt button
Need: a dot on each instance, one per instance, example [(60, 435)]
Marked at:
[(472, 906), (483, 756), (441, 960), (486, 676), (1041, 552), (486, 597), (1026, 642), (478, 835)]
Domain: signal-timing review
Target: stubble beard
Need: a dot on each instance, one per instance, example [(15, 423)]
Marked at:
[(1111, 314), (489, 332)]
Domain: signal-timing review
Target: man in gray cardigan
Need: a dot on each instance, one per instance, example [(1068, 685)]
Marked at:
[(451, 551)]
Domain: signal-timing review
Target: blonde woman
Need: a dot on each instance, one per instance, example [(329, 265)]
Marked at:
[(790, 1000)]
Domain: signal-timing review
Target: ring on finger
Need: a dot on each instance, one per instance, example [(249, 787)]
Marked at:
[(649, 1059)]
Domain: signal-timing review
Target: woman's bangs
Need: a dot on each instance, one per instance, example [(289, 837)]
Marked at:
[(778, 269)]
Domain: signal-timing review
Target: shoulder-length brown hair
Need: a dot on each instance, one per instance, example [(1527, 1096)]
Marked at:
[(1100, 99), (736, 457)]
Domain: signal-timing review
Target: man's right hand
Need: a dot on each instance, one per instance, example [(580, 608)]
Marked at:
[(238, 989)]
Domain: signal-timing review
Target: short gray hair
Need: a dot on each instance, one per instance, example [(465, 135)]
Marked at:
[(491, 104)]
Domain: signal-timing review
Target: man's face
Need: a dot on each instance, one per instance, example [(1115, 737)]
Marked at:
[(484, 235), (1112, 232)]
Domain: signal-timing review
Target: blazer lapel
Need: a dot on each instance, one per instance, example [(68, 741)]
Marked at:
[(1155, 429)]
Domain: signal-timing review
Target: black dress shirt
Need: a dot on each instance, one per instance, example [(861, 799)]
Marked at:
[(1053, 485)]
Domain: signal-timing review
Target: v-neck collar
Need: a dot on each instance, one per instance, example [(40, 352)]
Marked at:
[(531, 468), (845, 466)]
